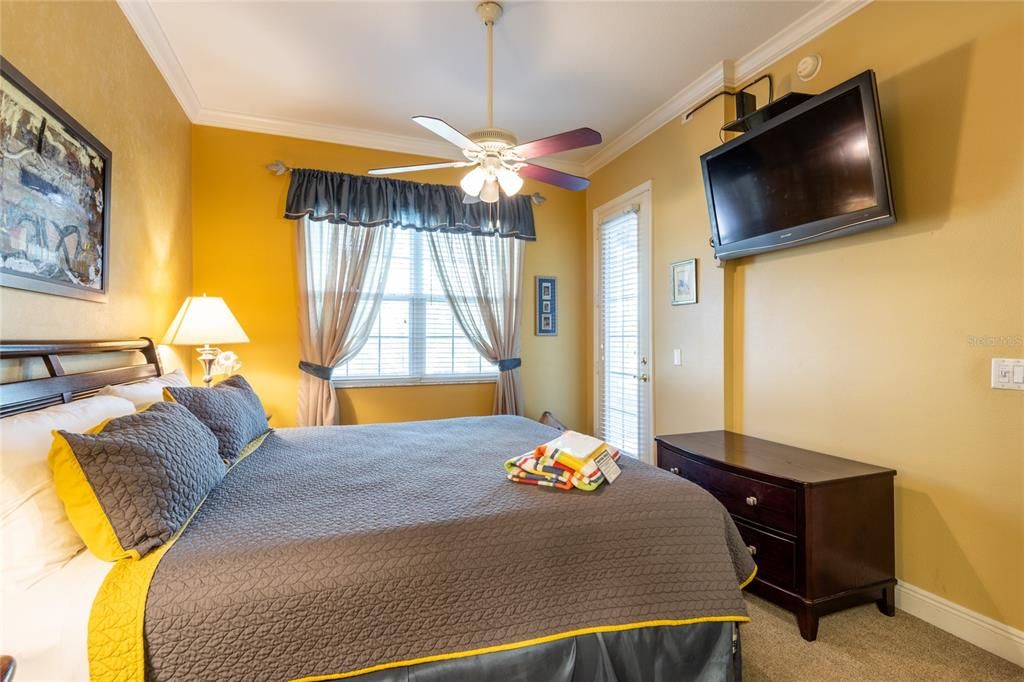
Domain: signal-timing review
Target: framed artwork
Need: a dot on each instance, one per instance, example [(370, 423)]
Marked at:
[(547, 306), (684, 282), (54, 196)]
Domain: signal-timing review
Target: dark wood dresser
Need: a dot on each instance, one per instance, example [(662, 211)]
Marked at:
[(820, 527)]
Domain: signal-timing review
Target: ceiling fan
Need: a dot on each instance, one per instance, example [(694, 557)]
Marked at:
[(498, 160)]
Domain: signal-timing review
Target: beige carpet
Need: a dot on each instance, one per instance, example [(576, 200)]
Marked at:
[(861, 644)]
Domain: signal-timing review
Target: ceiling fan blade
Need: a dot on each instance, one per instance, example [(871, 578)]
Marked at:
[(572, 139), (439, 127), (470, 199), (553, 177), (420, 167)]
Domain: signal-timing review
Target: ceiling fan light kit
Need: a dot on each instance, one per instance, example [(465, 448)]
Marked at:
[(498, 160)]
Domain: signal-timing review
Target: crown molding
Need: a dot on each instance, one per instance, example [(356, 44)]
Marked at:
[(355, 137), (728, 75), (725, 74), (711, 81), (322, 132), (147, 27), (803, 30)]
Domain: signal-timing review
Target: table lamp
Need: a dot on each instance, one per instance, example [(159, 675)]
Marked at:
[(201, 321)]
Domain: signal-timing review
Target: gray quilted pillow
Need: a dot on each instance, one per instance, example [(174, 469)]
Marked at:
[(149, 471), (231, 409)]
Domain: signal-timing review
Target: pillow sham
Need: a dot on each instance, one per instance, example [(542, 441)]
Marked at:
[(146, 392), (36, 538), (129, 484), (230, 408)]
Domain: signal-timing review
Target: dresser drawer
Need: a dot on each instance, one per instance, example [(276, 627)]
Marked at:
[(765, 503), (775, 556)]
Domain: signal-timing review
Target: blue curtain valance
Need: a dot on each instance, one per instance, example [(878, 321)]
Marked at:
[(374, 201)]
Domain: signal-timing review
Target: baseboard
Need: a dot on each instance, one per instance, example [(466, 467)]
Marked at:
[(991, 635)]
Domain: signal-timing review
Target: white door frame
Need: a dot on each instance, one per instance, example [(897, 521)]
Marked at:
[(641, 195)]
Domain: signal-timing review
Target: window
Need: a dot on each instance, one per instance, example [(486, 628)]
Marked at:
[(415, 338)]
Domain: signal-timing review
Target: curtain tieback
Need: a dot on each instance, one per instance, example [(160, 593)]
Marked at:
[(318, 371), (509, 364)]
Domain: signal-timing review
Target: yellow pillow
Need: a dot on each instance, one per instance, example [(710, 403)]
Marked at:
[(81, 503)]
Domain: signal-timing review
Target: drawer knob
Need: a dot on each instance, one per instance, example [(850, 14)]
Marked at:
[(752, 550), (751, 501), (674, 470)]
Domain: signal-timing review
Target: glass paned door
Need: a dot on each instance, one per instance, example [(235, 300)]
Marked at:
[(623, 321)]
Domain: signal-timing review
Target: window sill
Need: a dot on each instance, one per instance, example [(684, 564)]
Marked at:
[(379, 382)]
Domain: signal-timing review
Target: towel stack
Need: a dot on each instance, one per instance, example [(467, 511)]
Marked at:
[(566, 462)]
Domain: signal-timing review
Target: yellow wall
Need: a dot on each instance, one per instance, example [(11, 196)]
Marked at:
[(687, 397), (87, 58), (861, 346), (245, 252)]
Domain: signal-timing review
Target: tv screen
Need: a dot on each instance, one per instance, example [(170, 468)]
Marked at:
[(816, 171)]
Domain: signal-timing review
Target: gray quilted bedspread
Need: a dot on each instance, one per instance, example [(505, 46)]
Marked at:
[(333, 549)]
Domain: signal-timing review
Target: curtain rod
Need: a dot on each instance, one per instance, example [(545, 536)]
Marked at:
[(279, 167)]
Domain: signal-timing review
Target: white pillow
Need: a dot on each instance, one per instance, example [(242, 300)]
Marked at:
[(36, 537), (147, 392)]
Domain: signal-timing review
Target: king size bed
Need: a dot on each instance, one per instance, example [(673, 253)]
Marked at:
[(400, 552)]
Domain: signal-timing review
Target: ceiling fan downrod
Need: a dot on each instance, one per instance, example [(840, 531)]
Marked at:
[(490, 12)]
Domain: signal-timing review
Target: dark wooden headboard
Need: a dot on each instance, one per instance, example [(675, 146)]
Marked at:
[(60, 387)]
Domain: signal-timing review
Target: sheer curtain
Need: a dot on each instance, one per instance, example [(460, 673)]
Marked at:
[(482, 277), (342, 270)]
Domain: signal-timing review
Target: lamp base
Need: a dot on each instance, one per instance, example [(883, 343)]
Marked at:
[(207, 356)]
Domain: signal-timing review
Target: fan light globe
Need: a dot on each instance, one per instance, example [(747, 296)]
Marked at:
[(489, 193), (510, 181), (473, 181)]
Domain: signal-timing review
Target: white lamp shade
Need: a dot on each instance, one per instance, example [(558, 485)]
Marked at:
[(510, 182), (473, 181), (489, 193), (203, 320)]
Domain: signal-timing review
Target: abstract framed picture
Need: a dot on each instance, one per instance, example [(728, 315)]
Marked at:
[(547, 306), (54, 196), (684, 282)]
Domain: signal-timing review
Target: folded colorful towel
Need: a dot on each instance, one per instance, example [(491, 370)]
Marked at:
[(566, 462)]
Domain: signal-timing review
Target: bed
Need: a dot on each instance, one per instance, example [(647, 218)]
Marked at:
[(399, 552)]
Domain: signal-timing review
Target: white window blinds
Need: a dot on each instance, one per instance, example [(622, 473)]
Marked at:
[(621, 412), (415, 338)]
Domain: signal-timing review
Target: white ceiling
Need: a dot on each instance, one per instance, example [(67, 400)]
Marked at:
[(364, 68)]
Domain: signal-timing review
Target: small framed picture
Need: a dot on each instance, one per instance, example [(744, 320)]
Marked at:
[(684, 282), (547, 306)]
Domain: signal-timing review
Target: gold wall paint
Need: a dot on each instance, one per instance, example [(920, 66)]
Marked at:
[(688, 397), (87, 58), (861, 347), (380, 404), (245, 251)]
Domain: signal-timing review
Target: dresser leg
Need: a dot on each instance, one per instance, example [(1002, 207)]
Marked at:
[(887, 603), (807, 620)]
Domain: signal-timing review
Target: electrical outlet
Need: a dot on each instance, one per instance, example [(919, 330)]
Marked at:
[(1008, 373)]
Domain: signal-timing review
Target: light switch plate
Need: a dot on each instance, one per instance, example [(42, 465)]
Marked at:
[(1008, 373), (677, 356)]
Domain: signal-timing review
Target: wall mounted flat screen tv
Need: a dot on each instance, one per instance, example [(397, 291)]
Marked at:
[(815, 172)]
